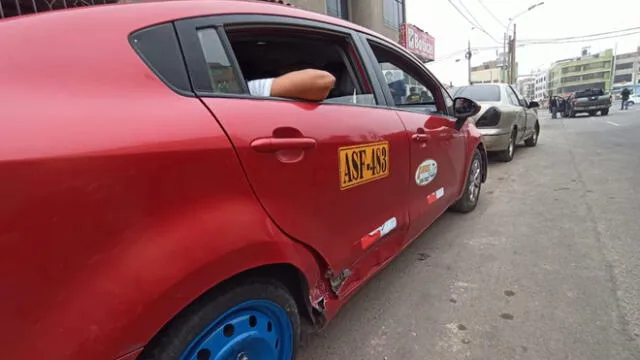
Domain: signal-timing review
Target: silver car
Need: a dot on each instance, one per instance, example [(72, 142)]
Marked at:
[(506, 118)]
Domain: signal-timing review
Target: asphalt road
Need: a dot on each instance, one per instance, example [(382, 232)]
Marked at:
[(547, 267)]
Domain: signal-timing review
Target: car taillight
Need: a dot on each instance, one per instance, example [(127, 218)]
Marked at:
[(491, 117)]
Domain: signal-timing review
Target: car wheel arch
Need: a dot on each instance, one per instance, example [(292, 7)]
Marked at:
[(297, 267), (287, 274), (485, 161)]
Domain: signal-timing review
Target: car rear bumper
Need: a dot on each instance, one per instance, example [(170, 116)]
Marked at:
[(495, 139), (590, 108)]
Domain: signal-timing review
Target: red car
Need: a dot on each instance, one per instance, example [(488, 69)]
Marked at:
[(152, 209)]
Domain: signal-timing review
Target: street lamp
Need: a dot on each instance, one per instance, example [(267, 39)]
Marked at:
[(506, 33)]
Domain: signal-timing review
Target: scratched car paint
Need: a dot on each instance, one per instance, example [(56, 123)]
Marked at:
[(165, 196)]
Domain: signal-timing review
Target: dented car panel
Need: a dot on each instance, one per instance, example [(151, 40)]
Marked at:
[(127, 195)]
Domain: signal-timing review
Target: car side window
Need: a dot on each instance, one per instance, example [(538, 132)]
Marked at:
[(158, 47), (223, 77), (272, 51), (511, 96), (448, 101), (409, 86), (521, 100)]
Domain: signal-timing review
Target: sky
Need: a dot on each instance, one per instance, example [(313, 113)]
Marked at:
[(553, 19)]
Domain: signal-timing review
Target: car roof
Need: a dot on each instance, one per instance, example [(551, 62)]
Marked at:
[(151, 12)]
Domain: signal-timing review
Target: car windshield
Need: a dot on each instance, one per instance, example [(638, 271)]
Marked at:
[(479, 93), (589, 92)]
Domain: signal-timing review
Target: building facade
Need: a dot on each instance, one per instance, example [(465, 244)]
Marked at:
[(489, 72), (526, 86), (626, 72), (584, 72), (387, 17), (627, 68), (540, 88), (382, 16)]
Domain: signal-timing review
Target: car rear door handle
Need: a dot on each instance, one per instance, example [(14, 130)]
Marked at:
[(271, 144), (420, 137)]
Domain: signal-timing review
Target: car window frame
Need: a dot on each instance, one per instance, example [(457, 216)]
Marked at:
[(157, 65), (447, 96), (520, 98), (510, 95), (187, 30), (423, 73)]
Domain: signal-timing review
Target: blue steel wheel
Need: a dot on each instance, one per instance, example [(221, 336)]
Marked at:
[(253, 330), (256, 320)]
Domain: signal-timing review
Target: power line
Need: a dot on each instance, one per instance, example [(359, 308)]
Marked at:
[(471, 22), (585, 37), (492, 15), (472, 17), (544, 42), (555, 41)]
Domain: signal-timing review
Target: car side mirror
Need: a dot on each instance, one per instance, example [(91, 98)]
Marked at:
[(464, 108), (534, 104)]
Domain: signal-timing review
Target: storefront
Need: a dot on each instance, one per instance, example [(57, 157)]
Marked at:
[(418, 42)]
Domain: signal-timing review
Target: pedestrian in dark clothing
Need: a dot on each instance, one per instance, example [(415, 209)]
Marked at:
[(625, 98), (554, 108)]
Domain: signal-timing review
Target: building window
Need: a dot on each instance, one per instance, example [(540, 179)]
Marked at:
[(393, 14), (338, 8), (622, 78), (597, 65), (600, 75), (624, 66)]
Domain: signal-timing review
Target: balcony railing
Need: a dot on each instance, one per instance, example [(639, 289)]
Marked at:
[(11, 8)]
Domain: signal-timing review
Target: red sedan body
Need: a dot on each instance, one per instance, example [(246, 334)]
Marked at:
[(122, 200)]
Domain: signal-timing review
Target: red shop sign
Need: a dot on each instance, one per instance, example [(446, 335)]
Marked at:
[(417, 41)]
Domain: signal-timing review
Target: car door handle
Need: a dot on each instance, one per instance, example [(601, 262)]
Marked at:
[(420, 137), (266, 145)]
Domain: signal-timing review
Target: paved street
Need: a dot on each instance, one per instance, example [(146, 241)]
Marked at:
[(547, 267)]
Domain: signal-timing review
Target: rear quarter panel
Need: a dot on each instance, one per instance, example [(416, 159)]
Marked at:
[(121, 200)]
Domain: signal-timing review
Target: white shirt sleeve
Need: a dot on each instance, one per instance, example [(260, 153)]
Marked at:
[(260, 87)]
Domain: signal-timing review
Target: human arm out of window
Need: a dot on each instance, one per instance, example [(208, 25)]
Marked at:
[(308, 84), (260, 87)]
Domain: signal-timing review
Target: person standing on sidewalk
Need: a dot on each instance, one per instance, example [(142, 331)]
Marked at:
[(553, 105), (625, 99)]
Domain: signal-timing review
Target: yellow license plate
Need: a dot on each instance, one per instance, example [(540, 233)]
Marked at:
[(361, 164)]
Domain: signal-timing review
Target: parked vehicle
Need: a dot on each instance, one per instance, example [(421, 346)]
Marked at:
[(633, 99), (153, 209), (506, 118), (589, 101), (559, 104)]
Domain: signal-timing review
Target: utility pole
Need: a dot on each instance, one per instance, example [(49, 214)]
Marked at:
[(504, 56), (468, 56), (613, 70), (507, 70), (513, 68)]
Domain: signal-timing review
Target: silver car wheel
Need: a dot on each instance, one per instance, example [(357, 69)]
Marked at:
[(475, 179), (511, 146)]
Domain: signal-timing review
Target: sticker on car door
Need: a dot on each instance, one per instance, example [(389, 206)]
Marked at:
[(360, 164), (426, 172)]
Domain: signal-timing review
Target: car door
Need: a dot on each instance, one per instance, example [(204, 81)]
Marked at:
[(331, 175), (520, 112), (437, 146), (530, 115)]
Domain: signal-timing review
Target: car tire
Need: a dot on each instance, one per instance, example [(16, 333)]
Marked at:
[(592, 113), (572, 114), (604, 112), (533, 140), (221, 321), (471, 195), (507, 154)]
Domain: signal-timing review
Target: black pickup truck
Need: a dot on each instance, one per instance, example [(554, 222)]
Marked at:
[(588, 101)]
